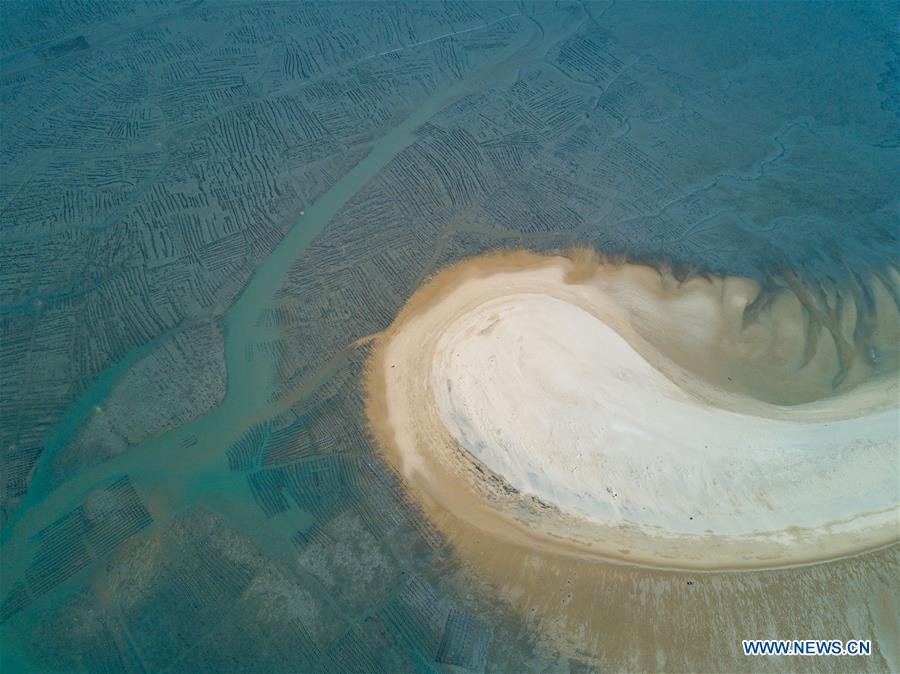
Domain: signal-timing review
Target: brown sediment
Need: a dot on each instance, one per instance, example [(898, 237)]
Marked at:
[(612, 617), (719, 358), (785, 301), (524, 549)]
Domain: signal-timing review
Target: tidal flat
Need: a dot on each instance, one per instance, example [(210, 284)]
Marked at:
[(212, 215), (559, 396)]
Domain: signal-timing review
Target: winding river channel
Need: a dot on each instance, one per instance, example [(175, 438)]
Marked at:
[(187, 466)]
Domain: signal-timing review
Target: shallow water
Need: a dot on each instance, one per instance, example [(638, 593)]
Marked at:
[(717, 141), (250, 383)]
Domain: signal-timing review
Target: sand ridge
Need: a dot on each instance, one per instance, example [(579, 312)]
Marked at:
[(609, 409)]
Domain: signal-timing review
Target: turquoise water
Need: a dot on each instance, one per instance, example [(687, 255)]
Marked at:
[(736, 137), (180, 477)]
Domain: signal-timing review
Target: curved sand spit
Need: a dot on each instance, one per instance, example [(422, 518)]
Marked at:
[(589, 408)]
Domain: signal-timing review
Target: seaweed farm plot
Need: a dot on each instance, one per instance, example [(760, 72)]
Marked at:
[(106, 519), (468, 337)]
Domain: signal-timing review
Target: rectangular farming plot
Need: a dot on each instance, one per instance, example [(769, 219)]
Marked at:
[(417, 614), (107, 518), (117, 514), (465, 642), (244, 453)]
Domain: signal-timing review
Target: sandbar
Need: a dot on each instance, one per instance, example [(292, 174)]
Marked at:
[(601, 409)]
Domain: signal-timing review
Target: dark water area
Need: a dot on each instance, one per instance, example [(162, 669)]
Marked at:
[(208, 208)]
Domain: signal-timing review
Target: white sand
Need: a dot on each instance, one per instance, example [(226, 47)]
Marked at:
[(559, 389), (560, 405)]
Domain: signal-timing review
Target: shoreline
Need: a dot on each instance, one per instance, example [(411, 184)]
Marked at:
[(453, 484)]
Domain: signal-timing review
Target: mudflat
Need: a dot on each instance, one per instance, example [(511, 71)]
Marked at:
[(591, 408)]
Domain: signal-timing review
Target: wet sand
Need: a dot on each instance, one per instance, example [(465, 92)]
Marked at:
[(665, 595), (608, 410)]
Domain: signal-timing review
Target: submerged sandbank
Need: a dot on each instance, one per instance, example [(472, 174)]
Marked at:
[(606, 409)]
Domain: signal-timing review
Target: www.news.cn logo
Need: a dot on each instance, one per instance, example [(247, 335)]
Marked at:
[(806, 647)]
